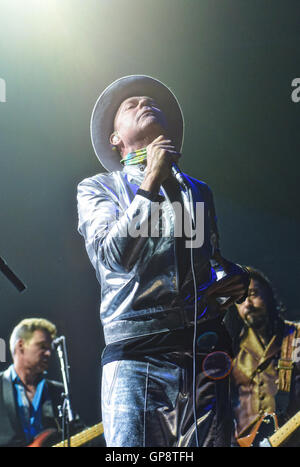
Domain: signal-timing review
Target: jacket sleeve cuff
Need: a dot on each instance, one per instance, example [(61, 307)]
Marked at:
[(151, 196)]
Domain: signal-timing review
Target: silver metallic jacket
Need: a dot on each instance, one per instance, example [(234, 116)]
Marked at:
[(141, 289)]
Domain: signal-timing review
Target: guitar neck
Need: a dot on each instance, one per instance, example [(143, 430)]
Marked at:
[(285, 431), (82, 437)]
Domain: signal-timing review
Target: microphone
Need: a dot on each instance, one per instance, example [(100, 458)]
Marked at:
[(178, 175), (58, 341)]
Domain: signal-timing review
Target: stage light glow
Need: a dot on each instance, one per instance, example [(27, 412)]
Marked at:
[(27, 6), (41, 20)]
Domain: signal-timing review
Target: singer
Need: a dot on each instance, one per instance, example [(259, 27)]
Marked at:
[(159, 307)]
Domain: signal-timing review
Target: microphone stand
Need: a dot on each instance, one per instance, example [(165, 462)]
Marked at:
[(11, 276), (66, 412)]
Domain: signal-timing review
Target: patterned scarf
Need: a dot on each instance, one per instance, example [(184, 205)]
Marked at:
[(135, 157)]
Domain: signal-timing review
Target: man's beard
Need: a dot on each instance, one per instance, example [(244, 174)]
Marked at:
[(256, 320)]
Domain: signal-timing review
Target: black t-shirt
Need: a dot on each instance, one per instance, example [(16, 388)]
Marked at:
[(211, 336)]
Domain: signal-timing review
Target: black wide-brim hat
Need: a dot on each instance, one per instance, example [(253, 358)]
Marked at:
[(108, 103)]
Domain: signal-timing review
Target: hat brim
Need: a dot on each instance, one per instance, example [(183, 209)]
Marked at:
[(108, 103)]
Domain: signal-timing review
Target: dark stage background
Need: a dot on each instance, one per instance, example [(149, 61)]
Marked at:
[(231, 65)]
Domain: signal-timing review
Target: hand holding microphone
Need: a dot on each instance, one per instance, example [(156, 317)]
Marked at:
[(233, 285), (162, 159)]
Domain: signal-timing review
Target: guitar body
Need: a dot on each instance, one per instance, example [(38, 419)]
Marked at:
[(264, 428), (75, 441), (40, 440)]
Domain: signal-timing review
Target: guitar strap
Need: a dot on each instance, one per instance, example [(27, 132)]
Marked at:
[(285, 366), (285, 363)]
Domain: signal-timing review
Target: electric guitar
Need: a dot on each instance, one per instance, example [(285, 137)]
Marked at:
[(75, 441), (267, 434)]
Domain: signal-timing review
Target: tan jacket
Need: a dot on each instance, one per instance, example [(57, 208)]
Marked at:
[(255, 378)]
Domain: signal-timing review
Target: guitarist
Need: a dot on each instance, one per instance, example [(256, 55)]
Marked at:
[(28, 401), (265, 378)]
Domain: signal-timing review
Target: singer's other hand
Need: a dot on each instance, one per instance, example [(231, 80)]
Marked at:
[(234, 285)]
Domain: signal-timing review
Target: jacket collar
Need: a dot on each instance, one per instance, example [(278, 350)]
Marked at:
[(135, 172), (252, 345), (10, 402)]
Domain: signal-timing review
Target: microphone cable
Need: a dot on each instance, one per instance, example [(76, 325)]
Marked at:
[(191, 207), (188, 192)]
